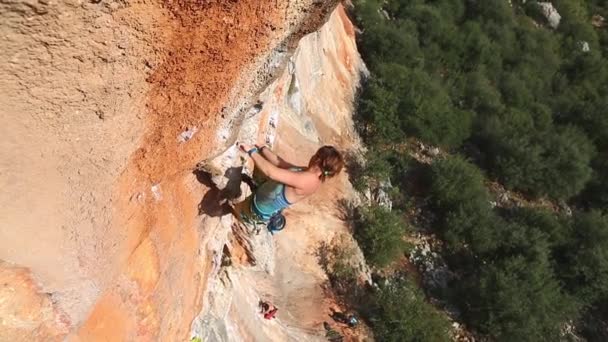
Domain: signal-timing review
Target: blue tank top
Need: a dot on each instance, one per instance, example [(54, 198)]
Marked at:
[(269, 198)]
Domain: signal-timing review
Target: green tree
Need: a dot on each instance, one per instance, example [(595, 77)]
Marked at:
[(512, 292), (458, 194), (567, 169), (517, 299), (535, 103), (481, 96), (403, 315), (377, 118), (595, 194), (547, 162), (554, 227), (584, 257), (455, 181), (379, 232)]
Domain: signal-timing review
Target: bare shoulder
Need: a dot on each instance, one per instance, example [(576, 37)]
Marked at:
[(310, 182)]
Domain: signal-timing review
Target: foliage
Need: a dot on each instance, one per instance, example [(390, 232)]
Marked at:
[(341, 267), (511, 291), (376, 168), (402, 314), (458, 194), (456, 181), (400, 101), (584, 257), (595, 194), (524, 154), (517, 299), (532, 102), (441, 68), (554, 228), (380, 232)]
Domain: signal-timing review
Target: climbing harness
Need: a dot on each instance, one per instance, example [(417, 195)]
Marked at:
[(265, 206), (276, 223)]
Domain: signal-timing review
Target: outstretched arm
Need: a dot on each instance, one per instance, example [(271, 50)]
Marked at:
[(274, 158), (274, 172)]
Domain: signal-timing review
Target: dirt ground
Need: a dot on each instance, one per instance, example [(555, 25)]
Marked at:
[(99, 204)]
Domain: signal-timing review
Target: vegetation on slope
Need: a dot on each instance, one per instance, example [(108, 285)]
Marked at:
[(514, 101)]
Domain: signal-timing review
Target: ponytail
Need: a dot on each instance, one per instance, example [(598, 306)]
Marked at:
[(328, 160)]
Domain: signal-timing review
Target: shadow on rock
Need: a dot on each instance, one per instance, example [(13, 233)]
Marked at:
[(215, 201)]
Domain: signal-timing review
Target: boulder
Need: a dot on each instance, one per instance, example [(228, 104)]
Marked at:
[(550, 13), (598, 21)]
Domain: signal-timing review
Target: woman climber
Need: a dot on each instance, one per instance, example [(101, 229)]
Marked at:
[(286, 184)]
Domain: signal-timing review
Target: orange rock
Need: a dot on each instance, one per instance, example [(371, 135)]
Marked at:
[(26, 313)]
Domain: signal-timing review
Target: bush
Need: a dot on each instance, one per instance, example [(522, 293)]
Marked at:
[(555, 228), (471, 228), (463, 203), (373, 168), (402, 314), (399, 100), (517, 299), (378, 116), (595, 194), (541, 162), (428, 113), (511, 292), (342, 268), (425, 85), (380, 233), (583, 265), (455, 181), (537, 104), (592, 326), (481, 96)]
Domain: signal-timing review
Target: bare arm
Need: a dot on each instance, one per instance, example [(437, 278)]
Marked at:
[(274, 159), (276, 173)]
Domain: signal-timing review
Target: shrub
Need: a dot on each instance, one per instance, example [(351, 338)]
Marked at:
[(378, 114), (555, 228), (512, 291), (537, 104), (380, 232), (583, 265), (402, 314), (375, 168), (472, 228), (481, 96), (516, 299), (455, 181), (460, 197), (342, 267), (595, 194), (546, 162)]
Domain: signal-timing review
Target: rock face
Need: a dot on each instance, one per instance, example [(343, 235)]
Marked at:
[(309, 104), (106, 109), (380, 194), (27, 313)]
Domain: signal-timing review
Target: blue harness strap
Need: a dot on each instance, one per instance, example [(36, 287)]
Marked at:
[(276, 223)]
